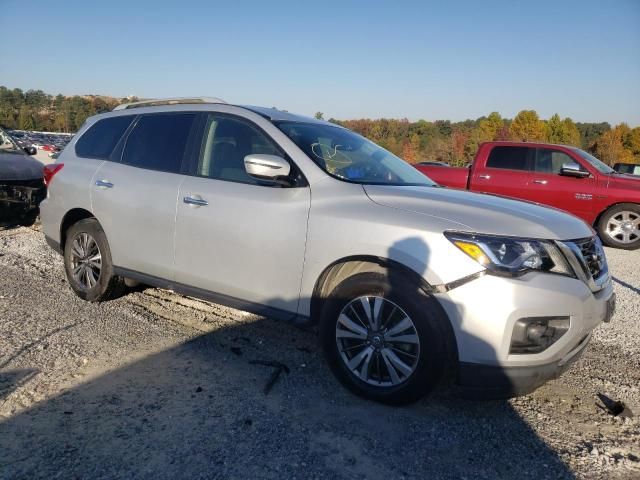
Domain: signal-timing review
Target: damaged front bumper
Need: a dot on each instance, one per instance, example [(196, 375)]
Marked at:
[(19, 199)]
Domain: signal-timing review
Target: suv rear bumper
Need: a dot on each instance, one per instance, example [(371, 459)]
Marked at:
[(490, 382)]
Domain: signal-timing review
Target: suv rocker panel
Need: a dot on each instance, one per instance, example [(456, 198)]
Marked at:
[(219, 298)]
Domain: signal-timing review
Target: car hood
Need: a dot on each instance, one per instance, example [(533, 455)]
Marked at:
[(16, 166), (480, 213)]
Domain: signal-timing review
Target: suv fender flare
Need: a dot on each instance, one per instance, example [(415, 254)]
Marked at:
[(72, 216)]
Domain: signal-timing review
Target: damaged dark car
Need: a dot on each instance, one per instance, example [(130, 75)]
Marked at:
[(22, 185)]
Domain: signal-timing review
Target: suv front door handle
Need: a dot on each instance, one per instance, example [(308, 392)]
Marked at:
[(104, 184), (540, 182), (484, 177), (200, 202)]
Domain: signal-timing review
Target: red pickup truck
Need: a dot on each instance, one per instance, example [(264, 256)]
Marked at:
[(556, 175)]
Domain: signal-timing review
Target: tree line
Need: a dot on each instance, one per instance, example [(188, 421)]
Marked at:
[(442, 140), (457, 142), (37, 110)]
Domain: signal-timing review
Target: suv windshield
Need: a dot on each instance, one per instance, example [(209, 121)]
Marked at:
[(7, 144), (594, 162), (350, 157)]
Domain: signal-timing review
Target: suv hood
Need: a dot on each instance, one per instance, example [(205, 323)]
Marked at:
[(480, 213), (16, 166)]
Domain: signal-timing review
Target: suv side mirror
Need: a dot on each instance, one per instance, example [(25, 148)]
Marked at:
[(266, 167), (31, 150), (573, 169)]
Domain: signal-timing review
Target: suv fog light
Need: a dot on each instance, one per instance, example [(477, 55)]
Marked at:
[(536, 334)]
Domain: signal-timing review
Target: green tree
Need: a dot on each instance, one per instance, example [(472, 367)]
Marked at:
[(632, 142), (25, 119), (319, 116), (562, 131), (527, 126)]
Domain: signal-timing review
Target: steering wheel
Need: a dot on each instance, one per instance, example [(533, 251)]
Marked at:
[(367, 171)]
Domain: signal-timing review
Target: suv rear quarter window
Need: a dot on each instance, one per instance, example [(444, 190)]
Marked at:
[(101, 138), (510, 158), (158, 141)]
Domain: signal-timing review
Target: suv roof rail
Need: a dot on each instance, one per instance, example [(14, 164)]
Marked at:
[(168, 101)]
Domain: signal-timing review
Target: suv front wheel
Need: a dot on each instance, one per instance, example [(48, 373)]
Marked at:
[(384, 340), (87, 262)]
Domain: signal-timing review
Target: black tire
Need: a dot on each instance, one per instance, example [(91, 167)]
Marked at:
[(431, 324), (108, 286), (605, 221)]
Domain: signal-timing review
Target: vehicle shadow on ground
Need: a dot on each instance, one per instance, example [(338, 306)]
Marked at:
[(626, 285), (198, 410)]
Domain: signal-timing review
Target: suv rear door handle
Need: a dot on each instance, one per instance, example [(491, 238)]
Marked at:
[(200, 202), (104, 184), (540, 182), (484, 177)]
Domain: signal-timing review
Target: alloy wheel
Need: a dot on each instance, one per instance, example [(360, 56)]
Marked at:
[(86, 261), (377, 341), (624, 227)]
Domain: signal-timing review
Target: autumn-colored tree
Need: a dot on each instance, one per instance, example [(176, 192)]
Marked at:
[(527, 126), (610, 146), (490, 127), (459, 140)]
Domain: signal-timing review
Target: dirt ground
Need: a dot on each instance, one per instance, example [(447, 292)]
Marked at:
[(158, 385)]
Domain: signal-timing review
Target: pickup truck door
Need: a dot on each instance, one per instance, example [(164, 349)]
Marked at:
[(549, 187), (505, 171)]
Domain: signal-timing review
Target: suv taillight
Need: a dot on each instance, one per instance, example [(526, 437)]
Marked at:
[(50, 170)]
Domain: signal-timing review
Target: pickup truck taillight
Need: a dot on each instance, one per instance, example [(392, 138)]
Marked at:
[(50, 170)]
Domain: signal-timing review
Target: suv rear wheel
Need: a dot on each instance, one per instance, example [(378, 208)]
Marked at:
[(384, 341), (87, 262), (619, 226)]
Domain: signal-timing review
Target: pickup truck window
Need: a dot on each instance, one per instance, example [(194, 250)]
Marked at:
[(594, 162), (511, 158), (550, 161)]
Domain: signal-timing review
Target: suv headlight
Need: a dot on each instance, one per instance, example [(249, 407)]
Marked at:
[(509, 256)]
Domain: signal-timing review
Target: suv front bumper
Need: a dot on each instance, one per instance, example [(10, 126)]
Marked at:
[(487, 381), (483, 313)]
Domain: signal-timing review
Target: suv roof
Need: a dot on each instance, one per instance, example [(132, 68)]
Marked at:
[(272, 113), (154, 102)]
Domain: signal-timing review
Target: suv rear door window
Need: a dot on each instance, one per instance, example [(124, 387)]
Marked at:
[(550, 161), (101, 138), (158, 141), (510, 158)]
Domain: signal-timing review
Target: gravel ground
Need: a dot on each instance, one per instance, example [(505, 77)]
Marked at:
[(158, 385)]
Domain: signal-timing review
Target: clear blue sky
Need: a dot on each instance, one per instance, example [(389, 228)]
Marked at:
[(433, 60)]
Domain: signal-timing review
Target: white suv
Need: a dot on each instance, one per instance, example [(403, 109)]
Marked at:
[(303, 220)]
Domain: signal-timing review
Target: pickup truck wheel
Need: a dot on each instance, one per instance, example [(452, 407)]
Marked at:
[(384, 340), (619, 226), (87, 263)]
